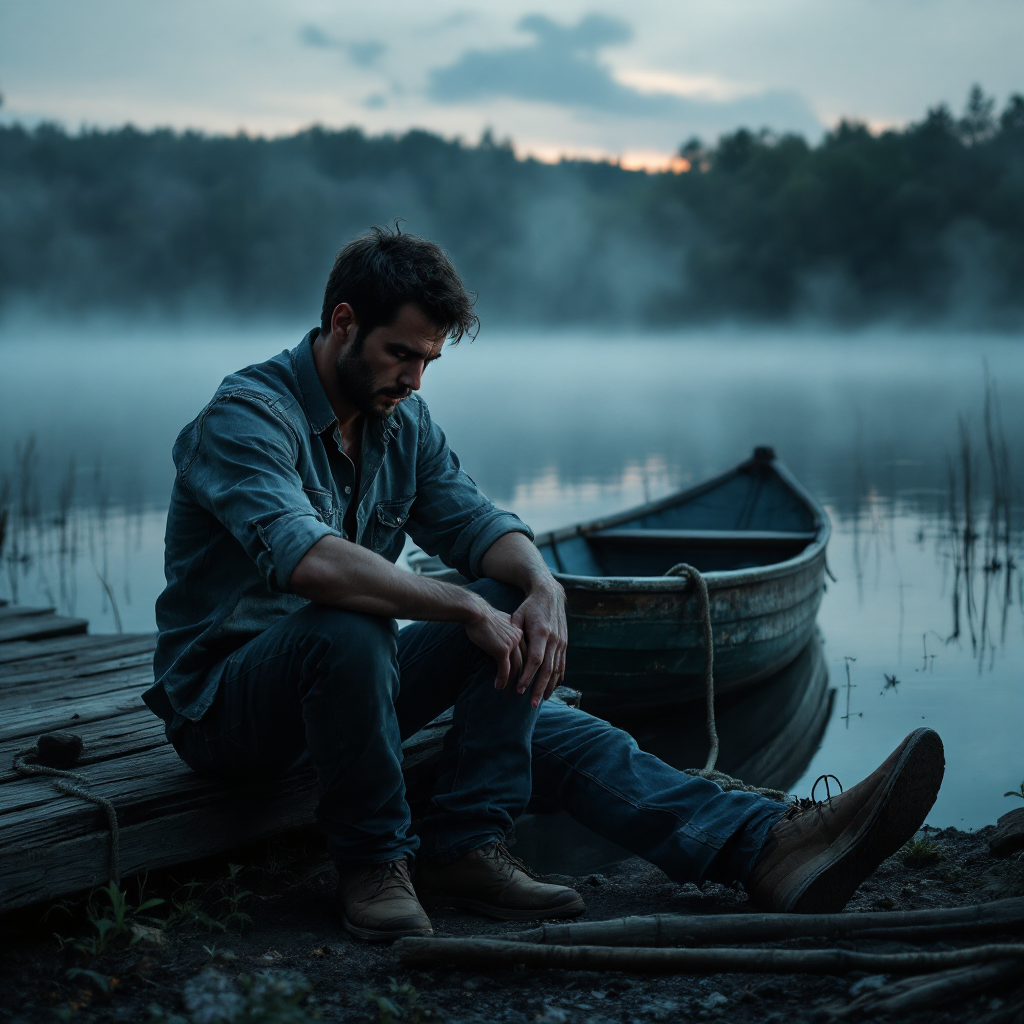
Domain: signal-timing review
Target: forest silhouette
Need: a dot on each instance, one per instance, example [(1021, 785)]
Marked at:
[(921, 224)]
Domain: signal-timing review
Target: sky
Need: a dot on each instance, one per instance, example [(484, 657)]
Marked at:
[(630, 80)]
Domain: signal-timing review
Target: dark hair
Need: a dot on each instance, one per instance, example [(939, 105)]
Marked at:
[(381, 271)]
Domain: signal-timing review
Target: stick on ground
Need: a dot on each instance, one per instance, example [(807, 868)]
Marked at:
[(490, 955), (693, 930)]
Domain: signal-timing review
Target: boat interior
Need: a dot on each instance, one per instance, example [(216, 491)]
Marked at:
[(749, 518)]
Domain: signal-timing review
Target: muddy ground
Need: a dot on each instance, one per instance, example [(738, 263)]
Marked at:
[(262, 942)]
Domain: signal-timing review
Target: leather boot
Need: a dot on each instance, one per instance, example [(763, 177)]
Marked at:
[(379, 903), (491, 881), (817, 856)]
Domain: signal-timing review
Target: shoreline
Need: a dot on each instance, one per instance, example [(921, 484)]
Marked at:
[(274, 917)]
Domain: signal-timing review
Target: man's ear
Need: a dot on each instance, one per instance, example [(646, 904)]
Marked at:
[(343, 323)]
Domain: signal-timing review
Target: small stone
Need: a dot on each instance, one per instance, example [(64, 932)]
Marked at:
[(714, 1001), (662, 1009), (552, 1015), (1009, 834), (868, 984)]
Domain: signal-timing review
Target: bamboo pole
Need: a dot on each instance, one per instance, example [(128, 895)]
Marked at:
[(702, 930), (491, 954)]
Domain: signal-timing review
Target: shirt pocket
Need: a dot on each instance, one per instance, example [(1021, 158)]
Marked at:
[(323, 505), (389, 520)]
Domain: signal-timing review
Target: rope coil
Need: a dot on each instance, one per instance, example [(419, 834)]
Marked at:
[(727, 782), (68, 782)]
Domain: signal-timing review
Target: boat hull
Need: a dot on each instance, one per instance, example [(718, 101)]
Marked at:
[(636, 645)]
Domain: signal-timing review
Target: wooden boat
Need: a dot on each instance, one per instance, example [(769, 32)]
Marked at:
[(635, 640)]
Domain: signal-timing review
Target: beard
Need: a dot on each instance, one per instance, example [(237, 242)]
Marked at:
[(358, 384)]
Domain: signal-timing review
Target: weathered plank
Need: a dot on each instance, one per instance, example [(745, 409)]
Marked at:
[(68, 711), (58, 849), (67, 665), (13, 611), (72, 647), (24, 627), (17, 692)]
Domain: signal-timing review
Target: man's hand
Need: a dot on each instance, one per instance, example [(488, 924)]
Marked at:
[(541, 617), (513, 559), (495, 633)]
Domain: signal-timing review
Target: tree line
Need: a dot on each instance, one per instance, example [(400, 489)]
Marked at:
[(920, 224)]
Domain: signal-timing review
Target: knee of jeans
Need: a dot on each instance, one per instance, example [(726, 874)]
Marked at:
[(502, 596), (568, 731)]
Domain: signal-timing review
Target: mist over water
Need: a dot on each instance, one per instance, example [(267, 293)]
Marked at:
[(913, 441)]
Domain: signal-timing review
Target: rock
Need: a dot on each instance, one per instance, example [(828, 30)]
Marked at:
[(59, 749), (1009, 834)]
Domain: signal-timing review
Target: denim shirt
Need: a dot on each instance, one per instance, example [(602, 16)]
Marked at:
[(254, 490)]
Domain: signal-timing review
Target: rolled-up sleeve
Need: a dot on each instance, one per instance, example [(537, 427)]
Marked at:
[(240, 465), (451, 517)]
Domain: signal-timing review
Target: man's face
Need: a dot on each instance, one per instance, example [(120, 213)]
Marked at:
[(388, 364)]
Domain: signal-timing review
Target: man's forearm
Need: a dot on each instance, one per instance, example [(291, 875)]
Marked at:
[(513, 558), (341, 574)]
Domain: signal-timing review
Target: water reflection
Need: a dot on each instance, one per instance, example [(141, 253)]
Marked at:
[(81, 543), (989, 542), (768, 736)]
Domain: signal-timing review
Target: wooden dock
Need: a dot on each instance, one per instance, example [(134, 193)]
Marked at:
[(56, 677)]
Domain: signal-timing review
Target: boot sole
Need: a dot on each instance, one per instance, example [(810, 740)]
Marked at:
[(911, 790), (433, 902), (377, 935)]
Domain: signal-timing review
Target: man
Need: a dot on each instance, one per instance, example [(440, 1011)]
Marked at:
[(278, 644)]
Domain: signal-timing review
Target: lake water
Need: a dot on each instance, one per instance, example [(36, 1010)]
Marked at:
[(887, 428)]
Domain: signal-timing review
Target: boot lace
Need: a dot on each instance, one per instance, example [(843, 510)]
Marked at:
[(391, 874), (803, 805), (508, 861)]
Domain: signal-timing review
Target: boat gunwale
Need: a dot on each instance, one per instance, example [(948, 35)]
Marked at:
[(719, 579)]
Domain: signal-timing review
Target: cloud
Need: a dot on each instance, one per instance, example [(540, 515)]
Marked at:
[(310, 35), (562, 66), (363, 53)]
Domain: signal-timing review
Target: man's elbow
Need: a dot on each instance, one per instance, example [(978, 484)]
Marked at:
[(312, 577)]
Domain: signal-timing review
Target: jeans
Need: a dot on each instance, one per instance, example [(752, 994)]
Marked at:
[(342, 690)]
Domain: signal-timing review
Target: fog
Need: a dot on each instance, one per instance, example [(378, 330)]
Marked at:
[(914, 227), (853, 414)]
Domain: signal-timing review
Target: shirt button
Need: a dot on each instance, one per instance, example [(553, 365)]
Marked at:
[(348, 490)]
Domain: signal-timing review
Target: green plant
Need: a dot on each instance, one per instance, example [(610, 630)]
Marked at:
[(1013, 792), (920, 852), (215, 906), (401, 1004), (117, 925)]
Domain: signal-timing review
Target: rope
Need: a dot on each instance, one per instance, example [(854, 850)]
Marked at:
[(66, 782), (727, 782)]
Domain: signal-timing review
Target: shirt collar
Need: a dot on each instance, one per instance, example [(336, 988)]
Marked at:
[(314, 398)]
